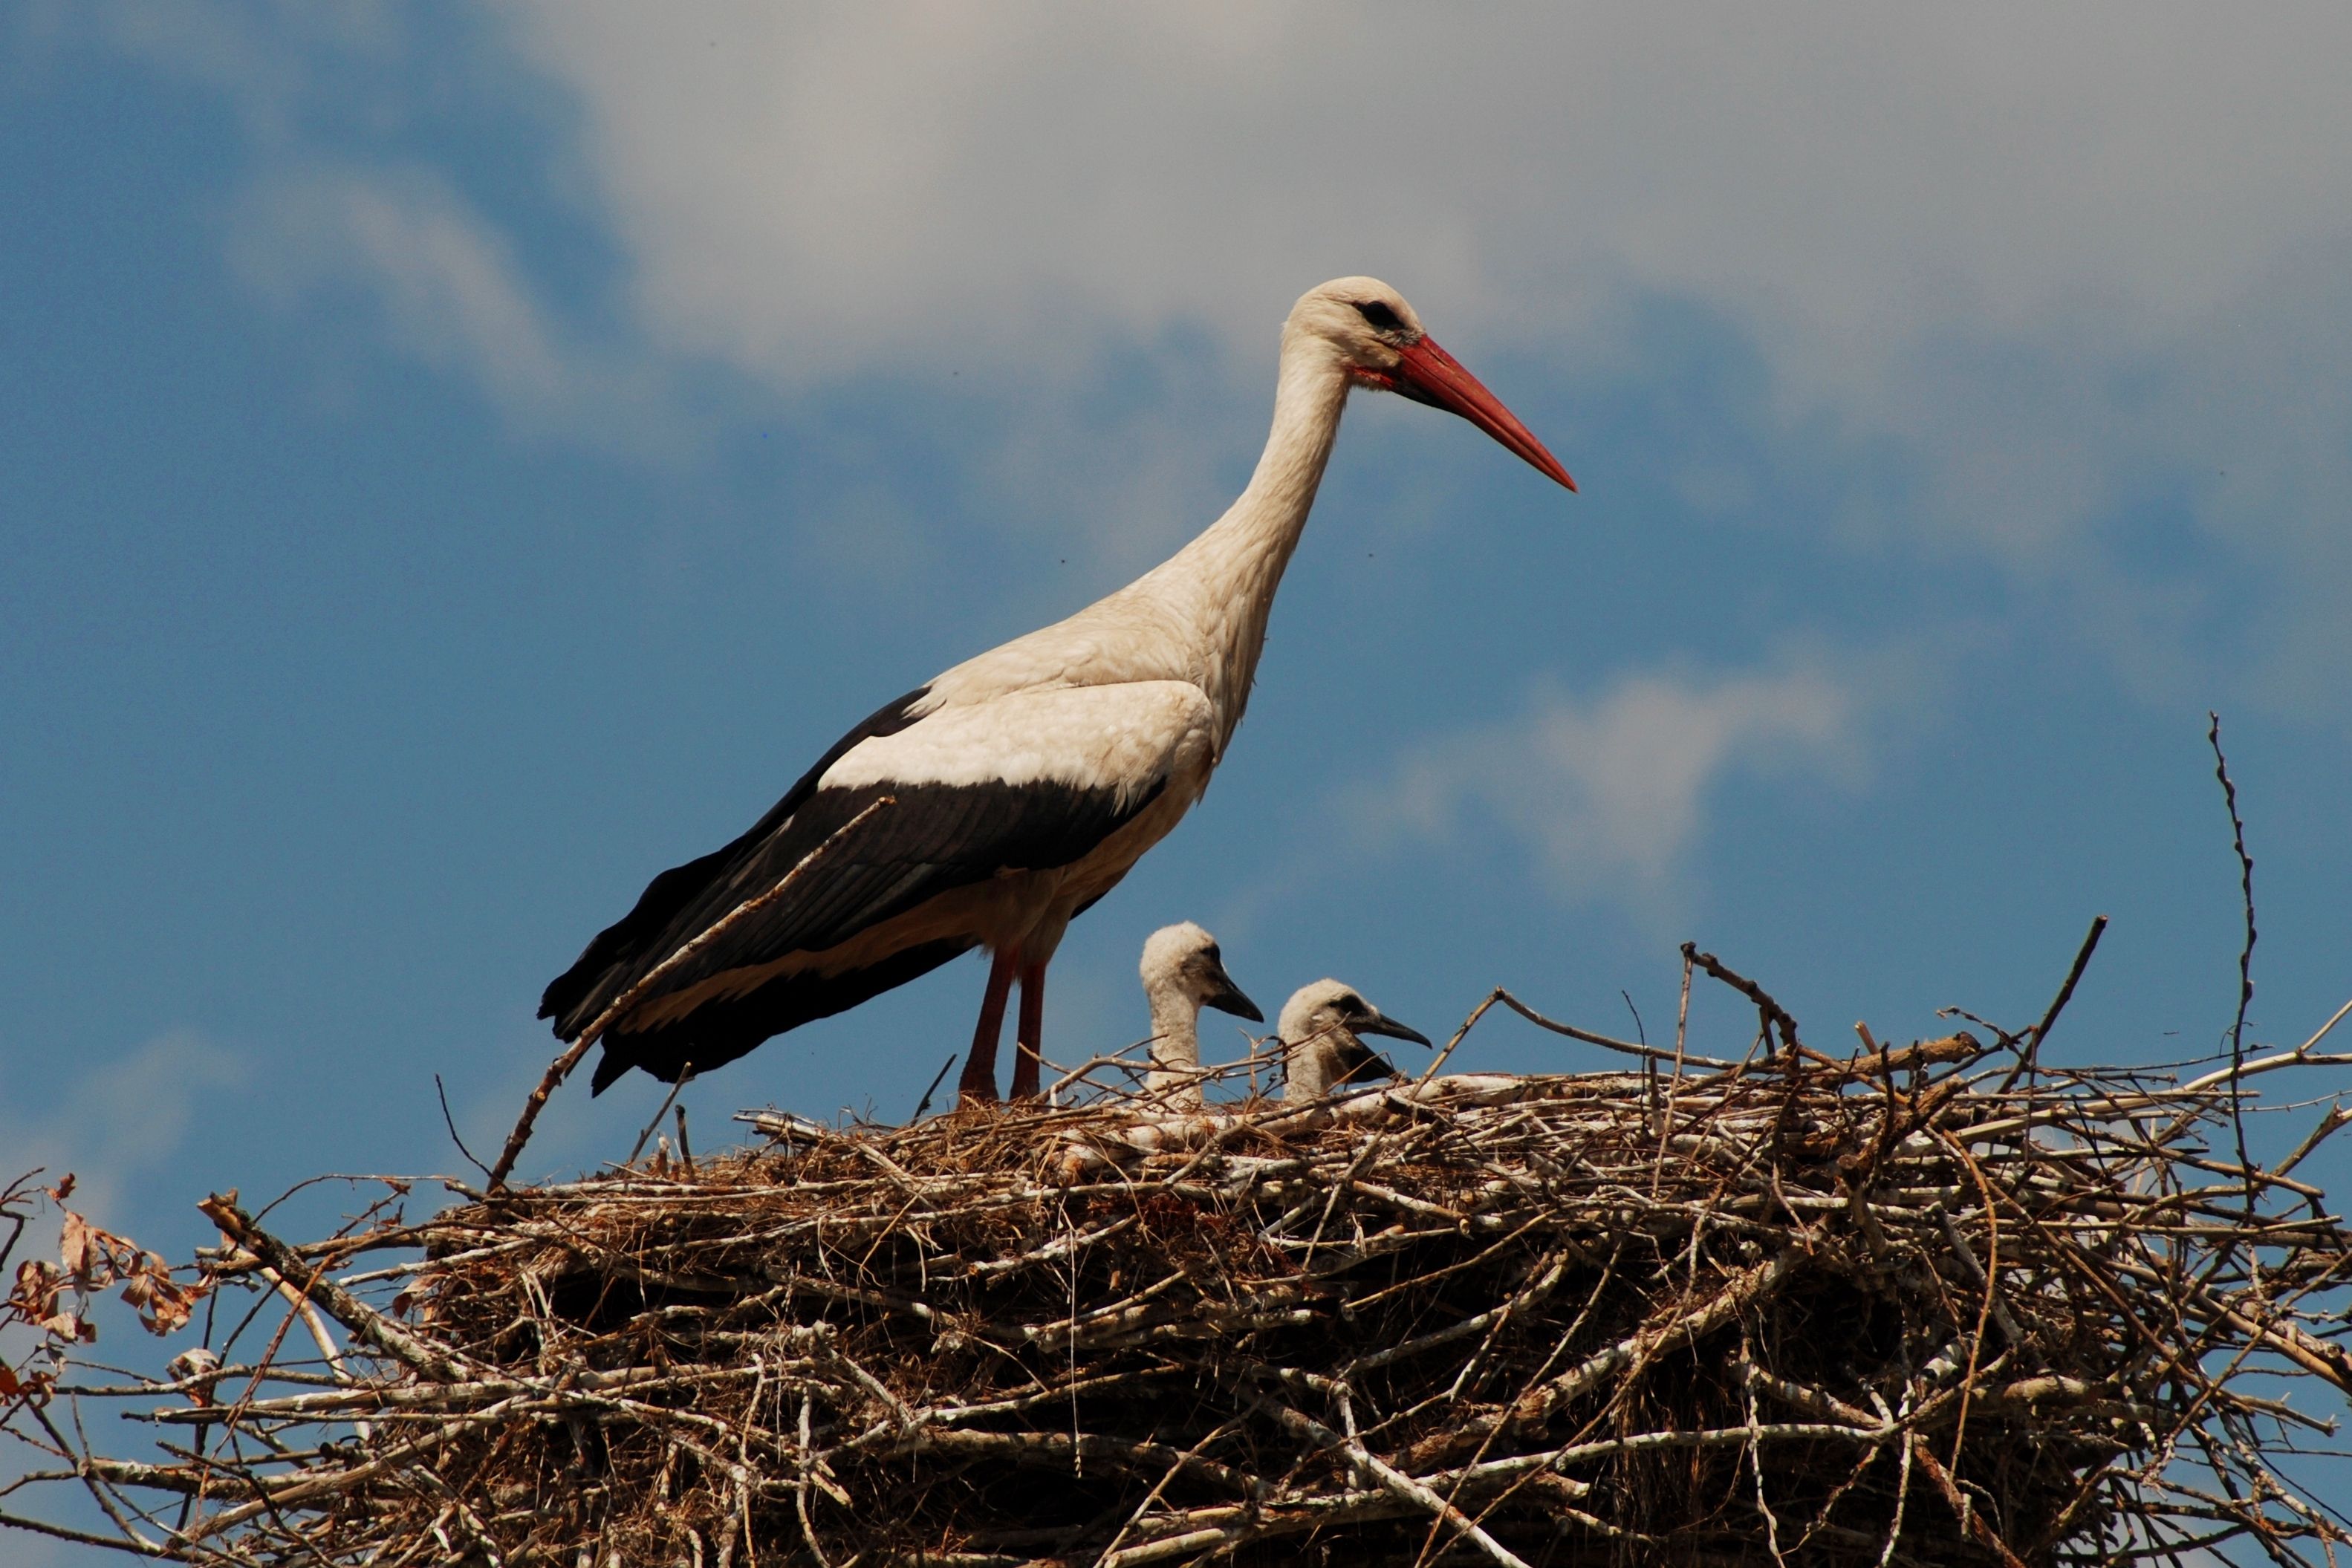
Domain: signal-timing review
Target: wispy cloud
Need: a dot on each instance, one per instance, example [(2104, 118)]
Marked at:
[(115, 1127), (444, 288), (1612, 789), (118, 1122), (2181, 503)]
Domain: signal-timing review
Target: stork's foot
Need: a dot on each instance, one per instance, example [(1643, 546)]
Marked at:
[(977, 1088)]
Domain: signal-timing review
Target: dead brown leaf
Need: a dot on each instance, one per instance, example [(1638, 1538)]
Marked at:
[(75, 1243)]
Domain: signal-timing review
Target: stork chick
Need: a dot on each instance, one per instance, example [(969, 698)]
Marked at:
[(1184, 972), (1320, 1029)]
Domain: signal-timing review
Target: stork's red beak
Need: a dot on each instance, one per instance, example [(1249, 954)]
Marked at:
[(1427, 373)]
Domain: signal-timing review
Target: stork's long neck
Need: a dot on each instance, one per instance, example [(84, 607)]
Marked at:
[(1223, 582), (1306, 1074), (1175, 1043)]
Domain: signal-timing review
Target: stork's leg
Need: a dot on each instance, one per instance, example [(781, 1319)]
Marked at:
[(1029, 1037), (978, 1082)]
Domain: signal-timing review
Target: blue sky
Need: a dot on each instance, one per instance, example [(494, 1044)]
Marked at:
[(456, 464)]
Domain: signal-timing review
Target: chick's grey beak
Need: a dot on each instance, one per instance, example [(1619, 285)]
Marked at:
[(1381, 1023), (1226, 997)]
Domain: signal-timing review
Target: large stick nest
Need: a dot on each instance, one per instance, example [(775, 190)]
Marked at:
[(1915, 1307)]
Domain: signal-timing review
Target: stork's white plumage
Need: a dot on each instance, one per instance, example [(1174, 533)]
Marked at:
[(1321, 1029), (1022, 784), (1184, 971)]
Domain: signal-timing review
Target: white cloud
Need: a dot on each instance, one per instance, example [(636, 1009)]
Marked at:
[(804, 186), (1612, 791), (2025, 249), (2044, 257), (117, 1123)]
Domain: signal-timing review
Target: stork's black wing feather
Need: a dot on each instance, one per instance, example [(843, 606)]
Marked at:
[(733, 992), (736, 991)]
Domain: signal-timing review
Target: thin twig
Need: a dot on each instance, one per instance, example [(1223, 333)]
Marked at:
[(684, 1071), (560, 1068), (937, 1078), (2245, 951), (451, 1122), (2029, 1054), (1772, 1011)]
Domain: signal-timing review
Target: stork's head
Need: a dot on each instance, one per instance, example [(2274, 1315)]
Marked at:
[(1380, 342), (1331, 1007), (1182, 961), (1321, 1030)]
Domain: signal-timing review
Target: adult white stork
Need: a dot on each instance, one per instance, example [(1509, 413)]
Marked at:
[(1022, 784), (1184, 971), (1321, 1029)]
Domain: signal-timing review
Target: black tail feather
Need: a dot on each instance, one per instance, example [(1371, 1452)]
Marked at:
[(720, 1031)]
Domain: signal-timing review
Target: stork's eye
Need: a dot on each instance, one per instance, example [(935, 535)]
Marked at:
[(1383, 319), (1212, 955)]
